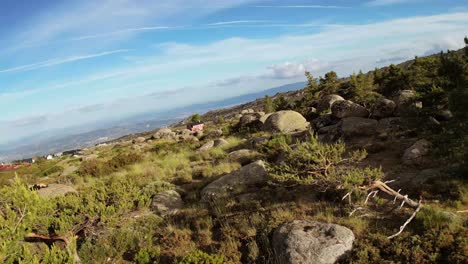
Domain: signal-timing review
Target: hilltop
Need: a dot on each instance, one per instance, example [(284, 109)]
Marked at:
[(364, 169)]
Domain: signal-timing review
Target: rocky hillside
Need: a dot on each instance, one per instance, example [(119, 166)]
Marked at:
[(365, 169)]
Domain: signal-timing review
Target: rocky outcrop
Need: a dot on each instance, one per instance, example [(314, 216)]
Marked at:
[(244, 156), (286, 122), (138, 140), (383, 108), (303, 241), (415, 154), (325, 103), (54, 190), (164, 133), (343, 109), (236, 182), (166, 203), (357, 126)]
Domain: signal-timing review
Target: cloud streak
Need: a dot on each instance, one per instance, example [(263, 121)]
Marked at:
[(236, 22), (55, 62), (386, 2), (301, 6)]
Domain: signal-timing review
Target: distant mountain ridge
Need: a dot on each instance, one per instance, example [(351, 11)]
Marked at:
[(136, 124)]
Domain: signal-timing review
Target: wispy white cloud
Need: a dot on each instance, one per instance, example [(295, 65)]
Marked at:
[(235, 22), (124, 31), (55, 62), (386, 2), (302, 6)]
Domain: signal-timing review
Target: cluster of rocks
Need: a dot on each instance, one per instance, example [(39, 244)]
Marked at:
[(282, 121)]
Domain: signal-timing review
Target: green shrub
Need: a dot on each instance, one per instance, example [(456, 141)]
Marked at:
[(200, 257)]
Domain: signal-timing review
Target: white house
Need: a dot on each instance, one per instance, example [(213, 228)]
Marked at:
[(50, 157)]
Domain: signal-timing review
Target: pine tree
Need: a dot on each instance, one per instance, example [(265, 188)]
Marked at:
[(268, 107)]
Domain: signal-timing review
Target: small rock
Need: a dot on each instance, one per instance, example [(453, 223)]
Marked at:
[(303, 241), (166, 203), (244, 156), (357, 126), (236, 182), (220, 142), (138, 140), (208, 145), (415, 153), (444, 115), (342, 109), (383, 108), (327, 101)]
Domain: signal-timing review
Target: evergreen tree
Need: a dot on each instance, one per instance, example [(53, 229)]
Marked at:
[(329, 84), (280, 103), (268, 107)]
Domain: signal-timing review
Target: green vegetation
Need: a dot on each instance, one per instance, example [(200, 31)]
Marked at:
[(112, 217)]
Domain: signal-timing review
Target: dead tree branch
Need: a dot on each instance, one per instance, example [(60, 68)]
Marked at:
[(407, 221)]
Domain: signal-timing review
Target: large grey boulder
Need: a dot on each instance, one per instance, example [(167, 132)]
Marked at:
[(383, 108), (286, 121), (236, 182), (415, 154), (244, 156), (304, 242), (326, 102), (358, 126), (264, 118), (54, 190), (166, 203), (342, 109)]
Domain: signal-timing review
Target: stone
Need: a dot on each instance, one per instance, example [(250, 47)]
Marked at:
[(323, 121), (329, 133), (216, 133), (244, 156), (389, 125), (358, 126), (325, 103), (249, 118), (404, 100), (208, 145), (237, 181), (444, 115), (342, 109), (138, 140), (54, 190), (304, 241), (166, 203), (220, 142), (264, 118), (247, 111), (383, 108), (164, 133), (415, 154), (286, 121)]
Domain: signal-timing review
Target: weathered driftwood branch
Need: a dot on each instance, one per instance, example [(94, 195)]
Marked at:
[(407, 221), (379, 185), (70, 245)]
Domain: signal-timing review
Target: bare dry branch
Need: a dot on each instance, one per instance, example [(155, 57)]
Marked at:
[(407, 221)]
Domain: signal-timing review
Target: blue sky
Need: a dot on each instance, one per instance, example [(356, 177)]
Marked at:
[(71, 63)]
